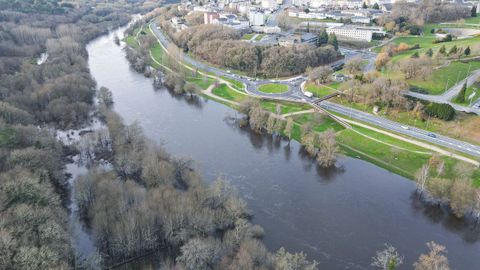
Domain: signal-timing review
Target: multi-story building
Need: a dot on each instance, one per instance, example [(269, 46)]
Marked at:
[(256, 18), (355, 33), (209, 17)]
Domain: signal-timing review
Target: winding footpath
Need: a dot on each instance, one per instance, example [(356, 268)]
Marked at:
[(351, 116)]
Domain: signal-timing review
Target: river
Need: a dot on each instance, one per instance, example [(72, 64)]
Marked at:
[(338, 217)]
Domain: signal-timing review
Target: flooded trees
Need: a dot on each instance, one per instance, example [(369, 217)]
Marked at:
[(387, 259), (327, 155), (435, 259)]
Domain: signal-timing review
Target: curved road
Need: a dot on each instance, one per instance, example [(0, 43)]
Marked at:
[(295, 94)]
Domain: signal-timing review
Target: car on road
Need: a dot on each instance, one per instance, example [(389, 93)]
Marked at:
[(406, 127), (229, 71), (431, 135)]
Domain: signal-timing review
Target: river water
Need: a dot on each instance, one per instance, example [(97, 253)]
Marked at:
[(338, 217)]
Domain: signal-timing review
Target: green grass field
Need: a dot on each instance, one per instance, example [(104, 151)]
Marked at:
[(247, 36), (273, 88), (444, 78), (321, 91), (225, 92), (285, 107), (202, 82), (320, 122), (472, 94), (237, 84), (259, 37)]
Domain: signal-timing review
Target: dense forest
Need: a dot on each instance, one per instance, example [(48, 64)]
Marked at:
[(36, 97), (221, 46)]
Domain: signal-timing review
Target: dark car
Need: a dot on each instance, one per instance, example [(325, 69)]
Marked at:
[(431, 135)]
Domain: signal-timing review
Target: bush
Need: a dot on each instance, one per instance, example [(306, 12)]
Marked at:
[(442, 111)]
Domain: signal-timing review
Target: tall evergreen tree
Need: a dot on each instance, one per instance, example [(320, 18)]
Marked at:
[(429, 53), (332, 40), (461, 96), (364, 6), (474, 11), (467, 51), (376, 6), (443, 50), (322, 38)]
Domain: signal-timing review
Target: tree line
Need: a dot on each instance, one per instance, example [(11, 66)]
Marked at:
[(222, 46), (153, 201), (458, 193), (35, 99), (410, 17)]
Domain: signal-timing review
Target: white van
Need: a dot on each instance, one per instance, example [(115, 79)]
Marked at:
[(308, 94)]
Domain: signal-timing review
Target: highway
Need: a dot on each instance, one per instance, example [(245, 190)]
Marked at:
[(295, 94)]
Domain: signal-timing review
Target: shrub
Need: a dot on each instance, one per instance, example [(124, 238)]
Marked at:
[(442, 111)]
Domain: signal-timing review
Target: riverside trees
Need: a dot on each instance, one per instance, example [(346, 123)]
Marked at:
[(152, 200), (36, 98), (458, 193)]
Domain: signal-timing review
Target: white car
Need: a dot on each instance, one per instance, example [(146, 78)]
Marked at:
[(405, 127)]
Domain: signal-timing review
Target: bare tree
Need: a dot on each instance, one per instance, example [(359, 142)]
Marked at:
[(387, 259), (289, 129), (421, 177), (327, 154), (270, 126), (320, 74), (191, 89), (435, 259), (462, 197), (309, 140), (354, 65)]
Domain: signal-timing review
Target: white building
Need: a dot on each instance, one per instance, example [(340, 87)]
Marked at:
[(361, 19), (266, 29), (256, 18), (355, 33), (269, 4)]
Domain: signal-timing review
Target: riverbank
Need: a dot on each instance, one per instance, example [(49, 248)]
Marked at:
[(338, 216), (391, 153)]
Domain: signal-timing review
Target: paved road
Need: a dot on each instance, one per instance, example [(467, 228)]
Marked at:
[(417, 133), (295, 94), (452, 93)]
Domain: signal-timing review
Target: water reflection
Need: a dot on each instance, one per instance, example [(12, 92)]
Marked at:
[(467, 227)]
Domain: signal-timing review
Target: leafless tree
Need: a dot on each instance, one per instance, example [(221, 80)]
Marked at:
[(435, 259), (327, 154), (421, 177), (387, 259)]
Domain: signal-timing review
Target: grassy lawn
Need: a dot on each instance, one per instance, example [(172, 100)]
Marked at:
[(273, 88), (321, 91), (247, 36), (259, 37), (202, 82), (471, 95), (444, 78), (285, 107), (319, 122), (237, 84), (403, 162), (225, 92)]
